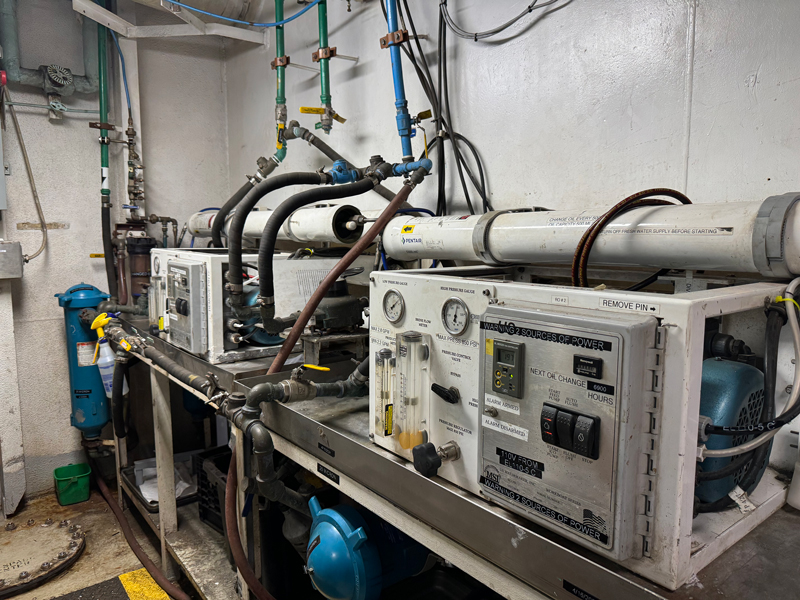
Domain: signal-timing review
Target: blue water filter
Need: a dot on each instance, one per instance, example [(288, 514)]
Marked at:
[(353, 554), (90, 410)]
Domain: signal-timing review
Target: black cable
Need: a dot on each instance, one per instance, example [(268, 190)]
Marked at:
[(729, 469), (448, 114), (645, 282), (481, 35), (269, 236), (222, 214), (775, 321)]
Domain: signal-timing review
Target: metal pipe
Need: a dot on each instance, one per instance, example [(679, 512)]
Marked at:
[(280, 96), (751, 237), (325, 98), (400, 103)]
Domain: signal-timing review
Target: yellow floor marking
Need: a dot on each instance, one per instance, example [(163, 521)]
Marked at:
[(140, 586)]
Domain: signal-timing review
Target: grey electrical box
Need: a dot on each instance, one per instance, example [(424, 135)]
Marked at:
[(186, 297), (10, 260)]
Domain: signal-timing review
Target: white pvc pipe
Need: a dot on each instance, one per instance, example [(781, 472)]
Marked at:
[(320, 223), (696, 236)]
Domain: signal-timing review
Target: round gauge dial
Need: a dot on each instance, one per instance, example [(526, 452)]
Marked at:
[(394, 307), (455, 316)]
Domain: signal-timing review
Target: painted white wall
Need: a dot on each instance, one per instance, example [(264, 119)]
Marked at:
[(185, 143), (580, 106)]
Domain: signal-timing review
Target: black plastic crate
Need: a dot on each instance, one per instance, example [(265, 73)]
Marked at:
[(211, 467)]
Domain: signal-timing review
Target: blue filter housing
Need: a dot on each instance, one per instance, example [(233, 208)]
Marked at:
[(731, 394), (354, 555), (90, 411)]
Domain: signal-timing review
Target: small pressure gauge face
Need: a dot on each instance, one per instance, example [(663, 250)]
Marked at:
[(455, 316), (393, 306)]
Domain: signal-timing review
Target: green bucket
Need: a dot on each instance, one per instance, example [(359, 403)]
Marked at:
[(72, 483)]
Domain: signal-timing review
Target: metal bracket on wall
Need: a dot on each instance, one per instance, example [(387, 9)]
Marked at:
[(192, 25)]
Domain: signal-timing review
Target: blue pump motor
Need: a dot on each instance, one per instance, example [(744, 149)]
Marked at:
[(90, 411), (354, 555), (731, 394)]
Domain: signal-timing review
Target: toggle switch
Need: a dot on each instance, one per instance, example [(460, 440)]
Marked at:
[(548, 421), (584, 438), (565, 427)]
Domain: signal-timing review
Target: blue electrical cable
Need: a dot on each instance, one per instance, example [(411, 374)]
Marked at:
[(191, 245), (434, 264), (209, 208), (383, 261), (210, 14), (124, 70), (413, 210)]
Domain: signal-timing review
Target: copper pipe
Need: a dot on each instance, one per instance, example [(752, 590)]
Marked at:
[(356, 251)]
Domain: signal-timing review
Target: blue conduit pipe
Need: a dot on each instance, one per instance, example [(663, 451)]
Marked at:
[(406, 168), (240, 22), (400, 102)]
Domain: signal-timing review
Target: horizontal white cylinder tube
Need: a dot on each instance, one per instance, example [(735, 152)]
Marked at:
[(695, 236), (318, 223)]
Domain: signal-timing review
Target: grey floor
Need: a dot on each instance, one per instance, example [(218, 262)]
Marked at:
[(765, 565)]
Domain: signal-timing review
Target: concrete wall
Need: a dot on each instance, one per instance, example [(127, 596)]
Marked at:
[(185, 150)]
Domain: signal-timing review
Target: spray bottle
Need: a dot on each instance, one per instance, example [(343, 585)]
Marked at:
[(104, 356)]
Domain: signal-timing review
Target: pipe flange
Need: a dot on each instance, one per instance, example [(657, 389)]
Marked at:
[(769, 235)]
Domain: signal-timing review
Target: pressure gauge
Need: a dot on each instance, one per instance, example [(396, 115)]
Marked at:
[(455, 316), (394, 307)]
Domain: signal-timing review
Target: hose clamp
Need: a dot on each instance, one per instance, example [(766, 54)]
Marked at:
[(480, 235), (769, 235)]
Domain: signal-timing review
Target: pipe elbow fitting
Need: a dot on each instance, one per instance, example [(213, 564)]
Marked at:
[(264, 392)]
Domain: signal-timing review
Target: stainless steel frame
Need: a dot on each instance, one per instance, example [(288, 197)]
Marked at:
[(537, 557)]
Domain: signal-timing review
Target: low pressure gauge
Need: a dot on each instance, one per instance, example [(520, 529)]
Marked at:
[(455, 316), (394, 307)]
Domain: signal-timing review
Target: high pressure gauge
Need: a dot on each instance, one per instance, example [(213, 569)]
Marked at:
[(394, 307), (455, 316)]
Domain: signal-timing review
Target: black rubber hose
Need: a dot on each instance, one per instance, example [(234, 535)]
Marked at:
[(122, 367), (222, 215), (118, 399), (247, 204), (198, 382), (363, 367), (172, 590), (108, 253), (269, 236)]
